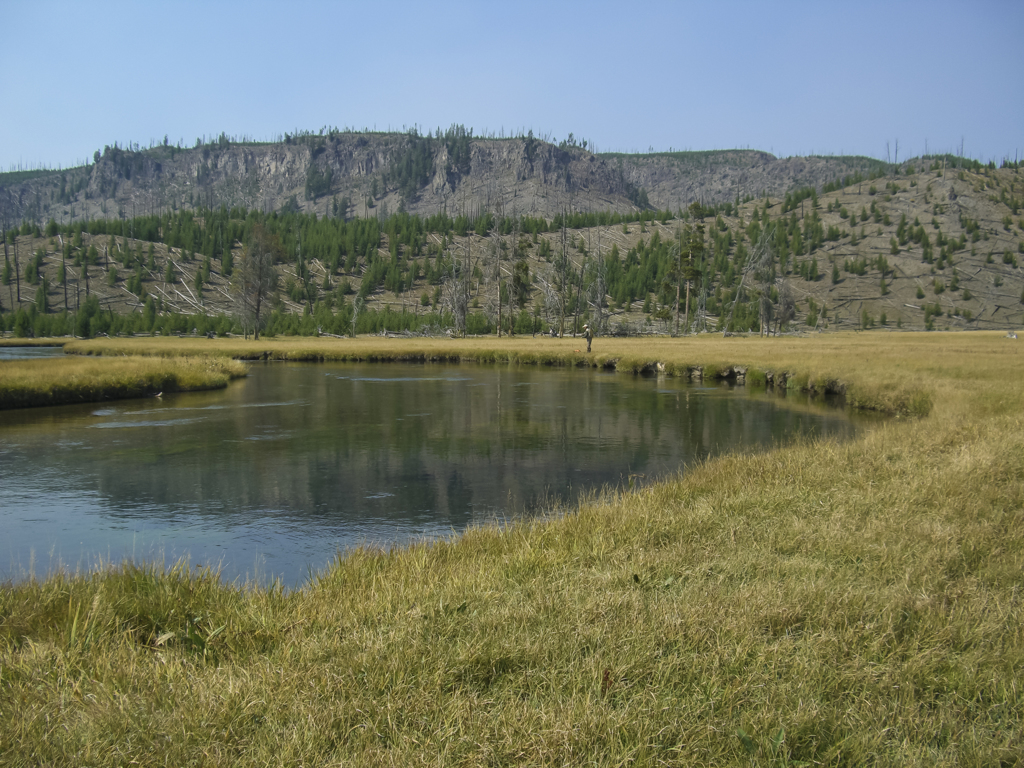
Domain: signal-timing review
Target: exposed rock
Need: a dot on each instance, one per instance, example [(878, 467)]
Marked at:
[(520, 175)]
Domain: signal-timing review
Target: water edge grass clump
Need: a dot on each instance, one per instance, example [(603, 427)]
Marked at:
[(14, 341), (63, 380)]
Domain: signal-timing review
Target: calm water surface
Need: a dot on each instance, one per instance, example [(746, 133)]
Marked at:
[(272, 476), (29, 353)]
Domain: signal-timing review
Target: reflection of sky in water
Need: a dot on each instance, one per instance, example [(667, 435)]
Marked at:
[(265, 482), (139, 424), (29, 353), (401, 379)]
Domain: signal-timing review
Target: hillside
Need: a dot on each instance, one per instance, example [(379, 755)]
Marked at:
[(927, 248), (675, 179), (363, 174)]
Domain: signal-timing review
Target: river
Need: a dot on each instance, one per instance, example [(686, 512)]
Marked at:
[(271, 477)]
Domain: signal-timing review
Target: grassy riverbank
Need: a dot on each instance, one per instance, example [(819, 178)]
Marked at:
[(13, 341), (895, 382), (854, 604), (63, 380)]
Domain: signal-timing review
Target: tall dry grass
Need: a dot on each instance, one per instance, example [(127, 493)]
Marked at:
[(63, 380), (822, 604), (889, 372), (13, 341)]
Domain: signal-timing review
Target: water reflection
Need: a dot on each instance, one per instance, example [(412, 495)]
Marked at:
[(271, 476), (29, 353)]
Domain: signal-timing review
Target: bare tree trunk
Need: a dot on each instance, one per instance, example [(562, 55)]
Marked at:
[(579, 292), (17, 270), (64, 267), (686, 329), (563, 266), (513, 288), (679, 282), (466, 278), (759, 259), (7, 260), (497, 272), (701, 315), (600, 286)]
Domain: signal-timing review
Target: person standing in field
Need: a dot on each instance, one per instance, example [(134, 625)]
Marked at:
[(588, 335)]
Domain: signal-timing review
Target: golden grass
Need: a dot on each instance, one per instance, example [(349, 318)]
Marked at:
[(842, 604), (13, 341), (63, 380), (889, 372)]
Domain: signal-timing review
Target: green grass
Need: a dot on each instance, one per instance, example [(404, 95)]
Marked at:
[(824, 603)]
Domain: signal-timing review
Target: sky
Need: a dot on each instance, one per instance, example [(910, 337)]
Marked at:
[(790, 78)]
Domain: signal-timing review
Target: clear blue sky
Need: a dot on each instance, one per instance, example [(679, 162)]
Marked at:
[(792, 78)]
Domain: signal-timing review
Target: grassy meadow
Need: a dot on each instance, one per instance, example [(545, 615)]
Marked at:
[(824, 603)]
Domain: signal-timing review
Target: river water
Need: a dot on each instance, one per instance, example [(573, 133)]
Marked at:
[(274, 475)]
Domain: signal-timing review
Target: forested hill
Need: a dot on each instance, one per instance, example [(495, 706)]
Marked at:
[(923, 246), (360, 175)]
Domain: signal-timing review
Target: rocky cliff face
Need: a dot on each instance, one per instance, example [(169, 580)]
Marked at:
[(374, 174)]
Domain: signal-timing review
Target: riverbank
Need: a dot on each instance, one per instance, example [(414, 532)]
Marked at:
[(14, 341), (820, 364), (64, 380), (853, 604)]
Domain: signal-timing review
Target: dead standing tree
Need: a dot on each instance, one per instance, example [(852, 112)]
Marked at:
[(456, 287), (758, 267), (519, 277), (7, 266), (519, 290), (562, 272), (578, 276), (255, 279), (689, 246), (787, 305), (496, 246), (703, 276), (598, 285)]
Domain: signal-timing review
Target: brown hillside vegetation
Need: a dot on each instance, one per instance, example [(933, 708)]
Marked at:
[(928, 248)]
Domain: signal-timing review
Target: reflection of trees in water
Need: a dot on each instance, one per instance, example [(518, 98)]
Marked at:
[(442, 448)]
